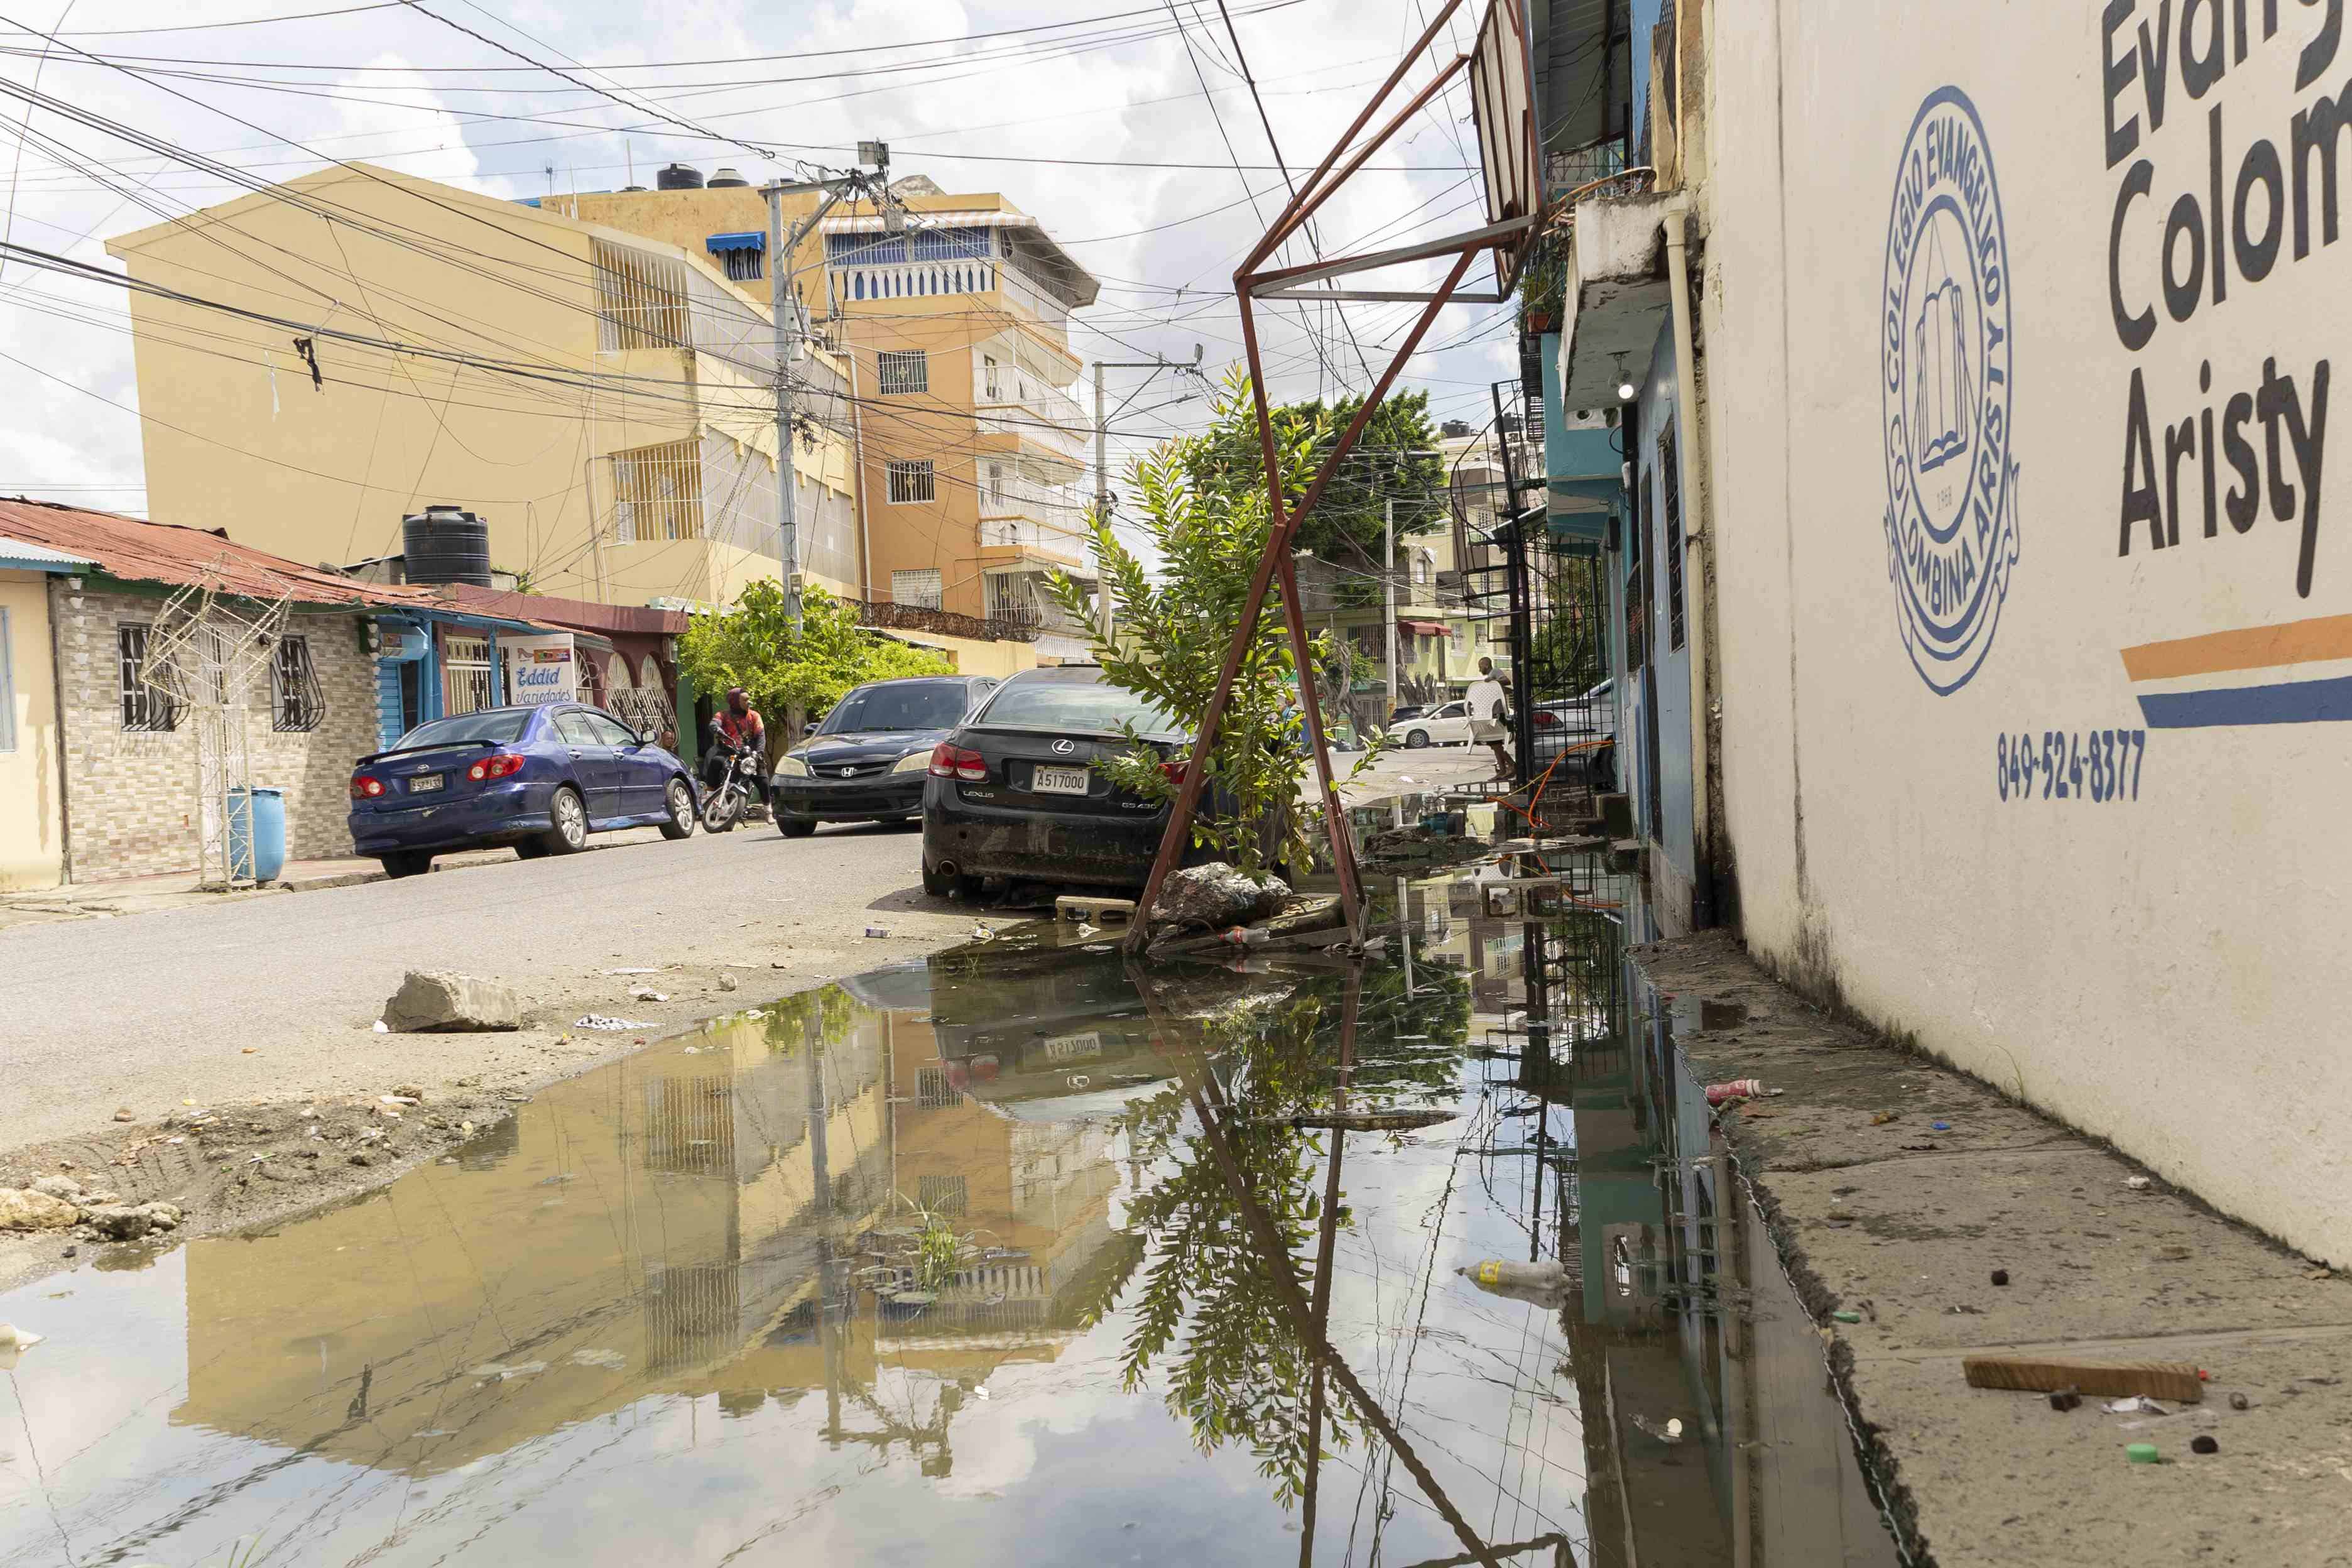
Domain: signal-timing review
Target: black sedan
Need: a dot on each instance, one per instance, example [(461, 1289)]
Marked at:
[(865, 761), (1014, 793)]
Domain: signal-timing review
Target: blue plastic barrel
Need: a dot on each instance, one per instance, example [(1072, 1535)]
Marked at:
[(257, 832)]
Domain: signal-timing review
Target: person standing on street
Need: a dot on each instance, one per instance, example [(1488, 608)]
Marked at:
[(1488, 699)]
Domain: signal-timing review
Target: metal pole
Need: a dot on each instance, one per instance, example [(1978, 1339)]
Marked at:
[(1102, 495), (781, 303), (1388, 583)]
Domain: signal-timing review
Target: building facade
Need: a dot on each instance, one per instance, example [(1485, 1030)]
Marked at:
[(32, 782), (2086, 250), (605, 400), (955, 330)]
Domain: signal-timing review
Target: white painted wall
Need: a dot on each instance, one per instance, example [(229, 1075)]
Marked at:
[(2171, 971)]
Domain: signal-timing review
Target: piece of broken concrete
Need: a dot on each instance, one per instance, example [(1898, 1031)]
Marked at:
[(441, 1000), (129, 1222), (25, 1209), (63, 1187), (1214, 896)]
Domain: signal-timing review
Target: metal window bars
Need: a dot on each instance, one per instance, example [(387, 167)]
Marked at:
[(912, 481), (146, 708), (297, 704), (641, 299), (657, 492), (469, 680), (899, 371)]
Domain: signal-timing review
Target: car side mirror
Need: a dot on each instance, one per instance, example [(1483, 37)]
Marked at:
[(648, 738)]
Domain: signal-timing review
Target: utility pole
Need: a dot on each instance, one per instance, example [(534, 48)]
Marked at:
[(1102, 445), (1388, 585), (783, 306)]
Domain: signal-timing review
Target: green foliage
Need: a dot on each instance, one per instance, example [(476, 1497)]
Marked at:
[(1347, 523), (753, 646), (1543, 285), (1174, 631)]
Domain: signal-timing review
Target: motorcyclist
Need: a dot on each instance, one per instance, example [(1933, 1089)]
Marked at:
[(737, 728)]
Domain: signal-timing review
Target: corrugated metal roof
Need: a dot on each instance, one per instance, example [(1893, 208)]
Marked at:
[(577, 615), (141, 552), (27, 556)]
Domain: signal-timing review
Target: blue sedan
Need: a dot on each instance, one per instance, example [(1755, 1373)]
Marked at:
[(540, 779)]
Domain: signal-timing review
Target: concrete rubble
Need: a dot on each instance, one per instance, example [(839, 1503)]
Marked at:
[(1214, 896), (442, 1000)]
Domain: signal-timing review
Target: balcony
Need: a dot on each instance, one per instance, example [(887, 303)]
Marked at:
[(884, 615), (1006, 541), (1019, 598), (1044, 416)]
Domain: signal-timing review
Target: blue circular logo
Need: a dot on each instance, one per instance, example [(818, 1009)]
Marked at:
[(1945, 360)]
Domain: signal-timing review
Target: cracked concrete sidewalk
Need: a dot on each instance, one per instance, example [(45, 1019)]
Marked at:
[(1906, 1223)]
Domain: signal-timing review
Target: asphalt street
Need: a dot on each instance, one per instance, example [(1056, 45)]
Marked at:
[(271, 996)]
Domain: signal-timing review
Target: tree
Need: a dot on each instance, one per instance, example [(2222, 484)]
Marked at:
[(1174, 631), (1396, 456), (753, 646)]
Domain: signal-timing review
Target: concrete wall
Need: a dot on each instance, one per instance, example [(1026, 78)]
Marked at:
[(131, 794), (1662, 805), (2155, 950), (32, 842)]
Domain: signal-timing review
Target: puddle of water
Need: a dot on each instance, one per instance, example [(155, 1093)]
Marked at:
[(1017, 1252)]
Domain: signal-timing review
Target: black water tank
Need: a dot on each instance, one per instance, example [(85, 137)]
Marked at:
[(679, 177), (724, 179), (447, 544)]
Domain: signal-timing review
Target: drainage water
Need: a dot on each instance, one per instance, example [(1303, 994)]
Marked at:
[(1018, 1255)]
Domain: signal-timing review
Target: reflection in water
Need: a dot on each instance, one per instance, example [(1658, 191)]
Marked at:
[(1020, 1254)]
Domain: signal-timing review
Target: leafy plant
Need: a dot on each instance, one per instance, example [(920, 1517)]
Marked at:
[(752, 644), (1174, 630)]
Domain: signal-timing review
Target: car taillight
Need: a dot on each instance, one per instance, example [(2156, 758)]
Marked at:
[(365, 788), (1175, 772), (956, 762), (495, 767), (1543, 719)]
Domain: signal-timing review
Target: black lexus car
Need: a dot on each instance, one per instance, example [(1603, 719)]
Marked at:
[(866, 763), (1014, 793)]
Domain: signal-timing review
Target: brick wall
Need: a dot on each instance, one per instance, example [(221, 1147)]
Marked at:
[(131, 796)]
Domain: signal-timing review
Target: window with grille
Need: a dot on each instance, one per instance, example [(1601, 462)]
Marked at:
[(641, 300), (1637, 577), (657, 492), (990, 378), (902, 370), (1670, 482), (922, 588), (932, 1090), (144, 707), (296, 703), (911, 482), (943, 1194)]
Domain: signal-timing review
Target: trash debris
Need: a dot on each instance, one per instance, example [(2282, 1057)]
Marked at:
[(123, 1114), (1245, 936), (611, 1361), (1846, 1315), (2137, 1183), (2000, 1276), (2143, 1454), (983, 933), (2136, 1406), (2065, 1399), (1539, 1284), (727, 982), (442, 1001), (2172, 1255), (875, 930), (2203, 1443), (1671, 1431), (2238, 1401), (382, 1027), (13, 1342), (1884, 1117), (496, 1373), (393, 1099), (1077, 1080), (642, 994), (979, 1393), (692, 1051), (1939, 1126), (2040, 1375), (598, 1021), (250, 1050), (1739, 1088)]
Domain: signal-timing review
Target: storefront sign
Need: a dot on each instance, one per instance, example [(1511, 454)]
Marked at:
[(540, 669)]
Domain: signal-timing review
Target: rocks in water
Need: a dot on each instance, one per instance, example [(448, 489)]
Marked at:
[(441, 1000), (1214, 896), (26, 1209)]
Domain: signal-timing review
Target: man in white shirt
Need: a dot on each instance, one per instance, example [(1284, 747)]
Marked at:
[(1487, 698)]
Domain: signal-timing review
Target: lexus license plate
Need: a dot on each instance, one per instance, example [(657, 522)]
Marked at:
[(423, 781), (1061, 1047), (1060, 780)]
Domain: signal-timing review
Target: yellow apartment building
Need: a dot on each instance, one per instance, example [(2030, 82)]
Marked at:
[(603, 398), (955, 330)]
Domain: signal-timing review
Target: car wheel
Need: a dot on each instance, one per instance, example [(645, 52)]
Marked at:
[(680, 801), (1415, 738), (795, 826), (408, 863), (530, 849), (570, 834)]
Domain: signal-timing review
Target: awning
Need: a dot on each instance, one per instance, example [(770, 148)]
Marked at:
[(748, 239), (1424, 628)]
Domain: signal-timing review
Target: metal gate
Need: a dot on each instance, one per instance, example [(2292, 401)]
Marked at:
[(469, 680)]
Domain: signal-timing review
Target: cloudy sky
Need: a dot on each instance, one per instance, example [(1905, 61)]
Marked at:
[(1120, 124)]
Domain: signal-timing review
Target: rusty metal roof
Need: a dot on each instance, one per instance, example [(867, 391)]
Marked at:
[(138, 550)]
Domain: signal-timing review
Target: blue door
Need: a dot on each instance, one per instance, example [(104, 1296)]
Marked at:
[(594, 764), (642, 775)]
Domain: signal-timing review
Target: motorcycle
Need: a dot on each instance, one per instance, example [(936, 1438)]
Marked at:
[(737, 788)]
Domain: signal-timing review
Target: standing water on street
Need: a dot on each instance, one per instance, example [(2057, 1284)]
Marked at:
[(1024, 1248)]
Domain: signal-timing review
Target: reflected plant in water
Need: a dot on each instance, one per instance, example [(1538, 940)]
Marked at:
[(786, 1024)]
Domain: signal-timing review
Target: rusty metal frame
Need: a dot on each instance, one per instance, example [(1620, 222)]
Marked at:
[(1507, 235)]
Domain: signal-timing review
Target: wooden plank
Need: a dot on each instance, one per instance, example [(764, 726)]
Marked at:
[(2042, 1374)]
